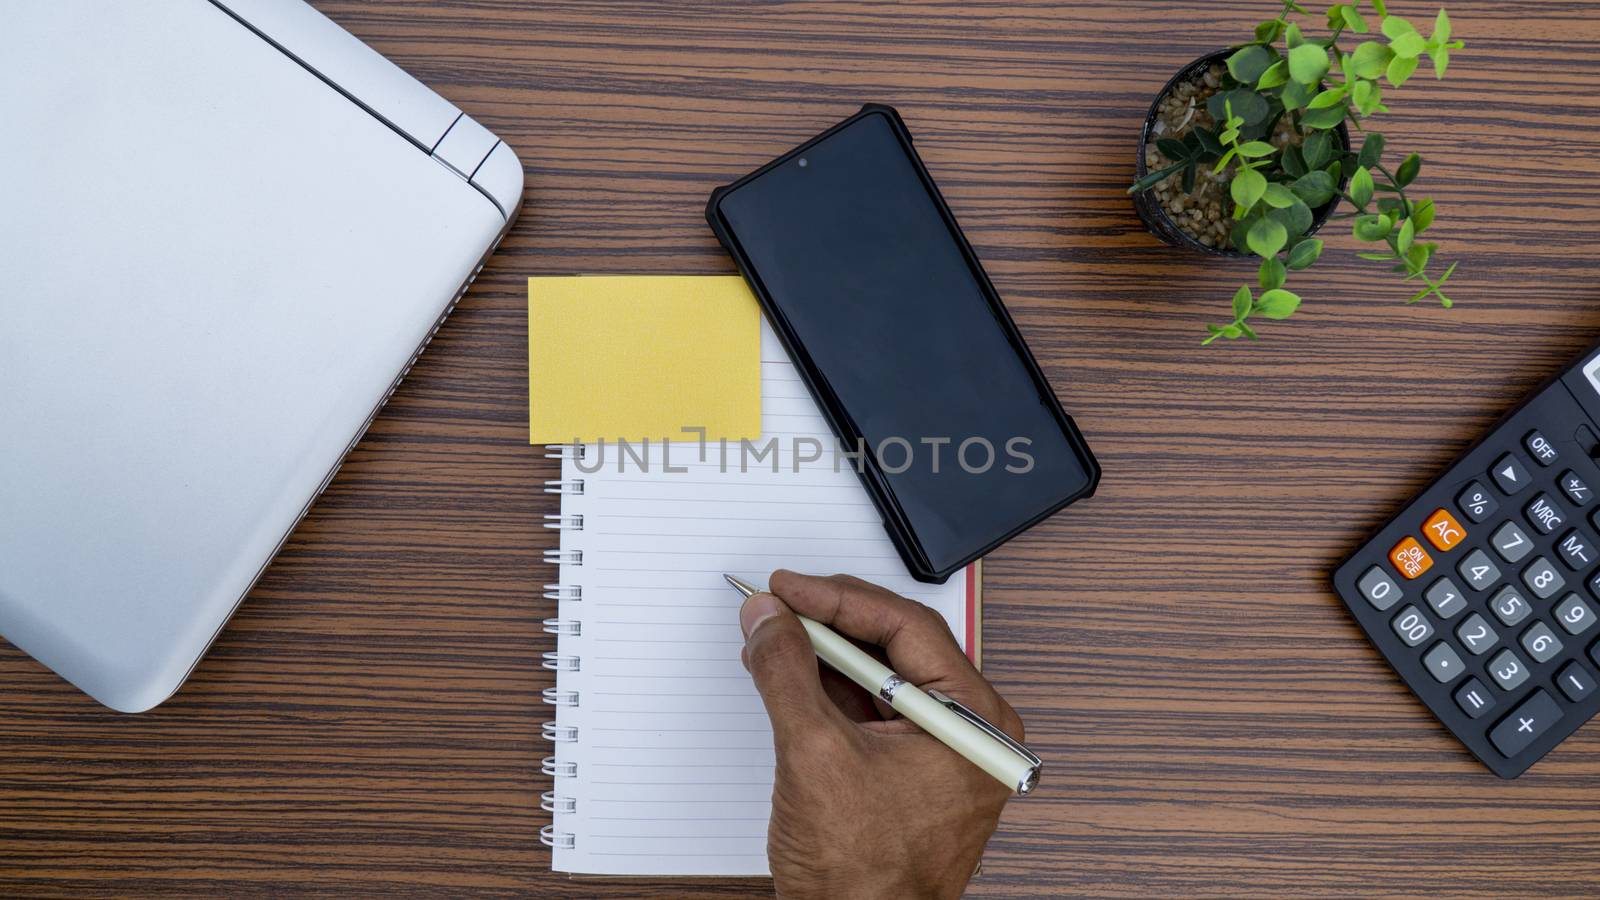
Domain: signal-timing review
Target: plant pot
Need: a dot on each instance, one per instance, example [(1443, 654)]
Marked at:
[(1148, 205)]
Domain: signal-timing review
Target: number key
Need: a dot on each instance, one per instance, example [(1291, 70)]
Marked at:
[(1540, 642), (1544, 452), (1480, 573), (1445, 598), (1379, 589), (1477, 502), (1507, 670), (1575, 489), (1509, 607), (1511, 542), (1476, 635), (1573, 615), (1411, 626), (1543, 579)]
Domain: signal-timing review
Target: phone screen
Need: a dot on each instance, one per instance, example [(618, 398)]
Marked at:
[(854, 254)]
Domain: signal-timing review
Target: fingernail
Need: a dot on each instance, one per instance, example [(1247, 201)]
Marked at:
[(757, 609)]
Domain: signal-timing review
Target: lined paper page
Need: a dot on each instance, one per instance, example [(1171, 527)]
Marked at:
[(674, 754)]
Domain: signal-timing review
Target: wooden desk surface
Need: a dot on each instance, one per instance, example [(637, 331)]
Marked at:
[(1215, 724)]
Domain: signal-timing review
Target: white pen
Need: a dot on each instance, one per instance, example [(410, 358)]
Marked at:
[(958, 727)]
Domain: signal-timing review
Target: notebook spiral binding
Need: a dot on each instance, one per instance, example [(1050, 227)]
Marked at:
[(557, 733), (560, 840), (573, 627), (556, 662), (549, 801), (564, 626)]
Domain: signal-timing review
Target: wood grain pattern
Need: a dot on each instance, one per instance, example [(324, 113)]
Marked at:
[(1214, 722)]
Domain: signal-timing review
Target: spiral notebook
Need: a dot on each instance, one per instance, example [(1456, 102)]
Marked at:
[(663, 757)]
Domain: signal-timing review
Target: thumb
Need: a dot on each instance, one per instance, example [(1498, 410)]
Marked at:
[(783, 665)]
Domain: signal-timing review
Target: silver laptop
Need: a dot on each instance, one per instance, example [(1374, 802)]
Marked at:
[(227, 228)]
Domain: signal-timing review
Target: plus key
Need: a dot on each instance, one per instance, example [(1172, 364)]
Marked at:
[(1532, 718)]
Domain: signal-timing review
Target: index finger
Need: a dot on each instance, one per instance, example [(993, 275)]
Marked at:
[(919, 643)]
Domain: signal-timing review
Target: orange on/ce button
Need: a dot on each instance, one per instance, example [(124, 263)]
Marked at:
[(1409, 557), (1443, 531)]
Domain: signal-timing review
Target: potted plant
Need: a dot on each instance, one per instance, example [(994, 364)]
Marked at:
[(1246, 153)]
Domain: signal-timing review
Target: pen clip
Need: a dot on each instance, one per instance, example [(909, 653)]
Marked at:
[(1028, 756)]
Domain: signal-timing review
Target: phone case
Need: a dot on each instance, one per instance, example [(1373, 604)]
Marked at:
[(899, 529)]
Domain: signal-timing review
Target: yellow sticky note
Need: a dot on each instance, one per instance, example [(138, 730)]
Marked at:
[(629, 357)]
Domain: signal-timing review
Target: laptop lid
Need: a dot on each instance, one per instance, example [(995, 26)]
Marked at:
[(217, 261)]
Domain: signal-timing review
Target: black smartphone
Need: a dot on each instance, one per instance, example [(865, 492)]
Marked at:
[(903, 342)]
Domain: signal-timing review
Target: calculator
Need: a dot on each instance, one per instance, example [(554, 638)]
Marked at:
[(1483, 592)]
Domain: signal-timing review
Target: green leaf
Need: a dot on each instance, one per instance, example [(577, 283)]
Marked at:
[(1315, 188), (1245, 103), (1256, 149), (1208, 141), (1441, 61), (1372, 228), (1409, 45), (1242, 302), (1292, 161), (1376, 257), (1317, 149), (1400, 70), (1418, 256), (1267, 237), (1296, 95), (1394, 26), (1278, 304), (1370, 58), (1247, 188), (1248, 62), (1189, 174), (1379, 6), (1248, 331), (1296, 219), (1308, 63), (1367, 95), (1154, 178), (1408, 171), (1408, 234), (1268, 31), (1279, 196), (1271, 275), (1330, 97), (1323, 118), (1441, 28), (1231, 331), (1372, 150), (1275, 75), (1292, 37), (1422, 214), (1361, 187), (1304, 254), (1353, 20), (1173, 149)]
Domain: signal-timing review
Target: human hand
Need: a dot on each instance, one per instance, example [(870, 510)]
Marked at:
[(864, 803)]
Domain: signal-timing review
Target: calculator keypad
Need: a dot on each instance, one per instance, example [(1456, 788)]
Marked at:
[(1511, 542), (1484, 593), (1477, 503), (1510, 475)]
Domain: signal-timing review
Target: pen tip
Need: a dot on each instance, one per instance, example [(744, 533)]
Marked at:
[(738, 585)]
